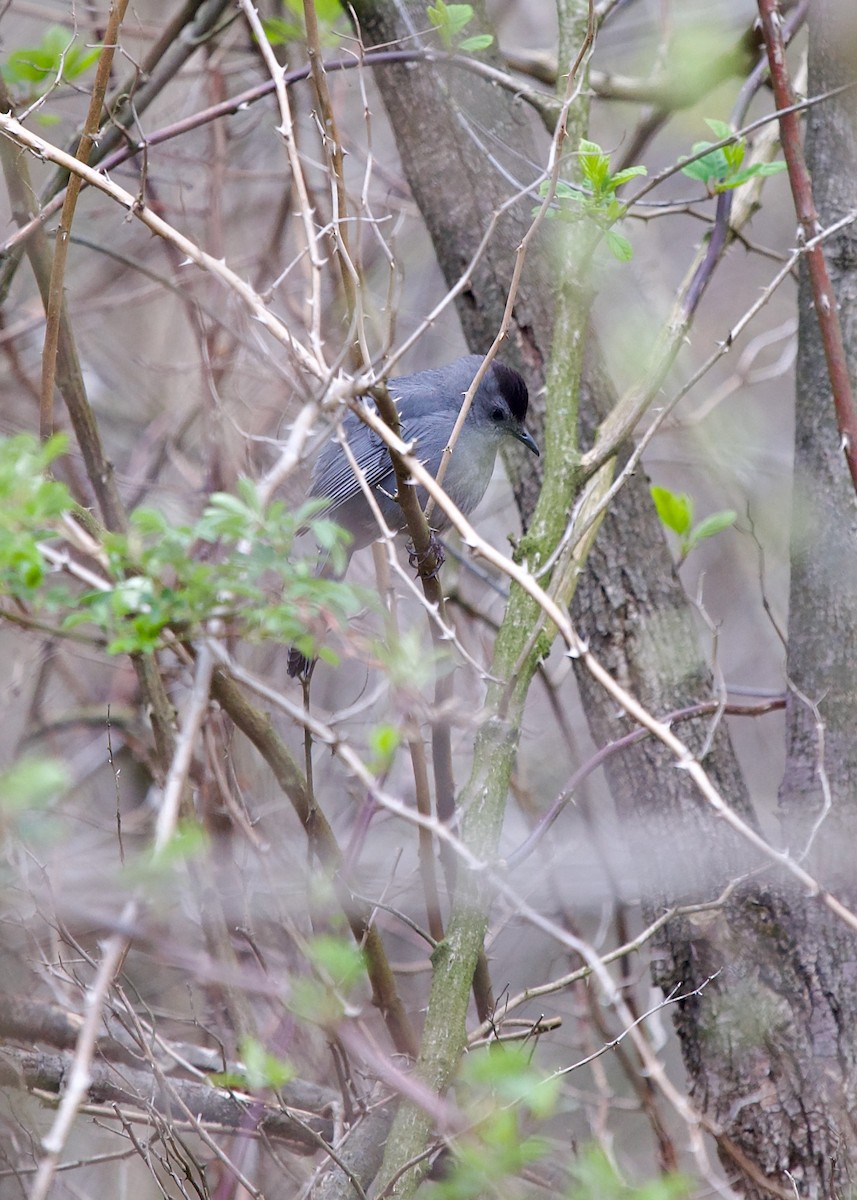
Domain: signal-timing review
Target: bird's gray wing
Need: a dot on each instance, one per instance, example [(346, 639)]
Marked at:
[(333, 477)]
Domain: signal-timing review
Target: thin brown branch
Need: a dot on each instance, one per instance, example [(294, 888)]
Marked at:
[(69, 379), (428, 565), (287, 132), (16, 133), (577, 648), (694, 712), (332, 145), (826, 308), (77, 1081), (256, 726), (54, 314), (222, 1109)]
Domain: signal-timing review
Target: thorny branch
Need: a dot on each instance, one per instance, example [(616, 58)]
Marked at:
[(826, 307)]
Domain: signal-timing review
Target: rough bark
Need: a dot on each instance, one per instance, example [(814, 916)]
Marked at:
[(822, 626), (463, 143), (179, 1099), (762, 1042), (767, 1043), (770, 1044)]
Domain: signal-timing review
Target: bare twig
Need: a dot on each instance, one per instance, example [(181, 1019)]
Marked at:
[(191, 724), (55, 305), (258, 309), (287, 132), (577, 648), (598, 759), (826, 307), (79, 1077)]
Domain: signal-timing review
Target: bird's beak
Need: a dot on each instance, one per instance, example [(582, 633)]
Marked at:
[(523, 435)]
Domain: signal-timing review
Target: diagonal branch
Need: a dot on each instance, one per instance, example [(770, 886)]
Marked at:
[(15, 132)]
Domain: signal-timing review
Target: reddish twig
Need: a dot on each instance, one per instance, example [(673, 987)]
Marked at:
[(623, 743), (810, 225)]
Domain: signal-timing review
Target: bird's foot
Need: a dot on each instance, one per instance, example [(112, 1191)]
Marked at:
[(420, 562)]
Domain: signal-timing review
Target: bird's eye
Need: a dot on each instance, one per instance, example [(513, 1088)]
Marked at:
[(497, 414)]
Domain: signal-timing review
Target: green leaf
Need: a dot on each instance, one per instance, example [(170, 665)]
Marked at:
[(675, 511), (458, 15), (734, 154), (281, 32), (449, 20), (156, 580), (57, 56), (27, 66), (755, 169), (339, 965), (480, 41), (619, 245), (589, 149), (263, 1070), (711, 166), (562, 191), (149, 522), (225, 516), (597, 1179), (328, 10), (720, 129), (712, 525), (32, 783), (30, 504), (771, 168), (78, 61), (384, 741), (511, 1076), (339, 959), (188, 842), (621, 177), (594, 164), (721, 170)]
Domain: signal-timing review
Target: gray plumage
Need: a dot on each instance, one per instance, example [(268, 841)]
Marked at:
[(429, 403)]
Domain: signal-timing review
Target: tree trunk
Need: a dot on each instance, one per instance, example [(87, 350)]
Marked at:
[(769, 1041)]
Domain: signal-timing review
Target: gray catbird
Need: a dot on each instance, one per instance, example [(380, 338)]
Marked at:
[(428, 405)]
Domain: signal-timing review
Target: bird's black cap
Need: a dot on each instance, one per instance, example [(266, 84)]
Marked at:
[(514, 390)]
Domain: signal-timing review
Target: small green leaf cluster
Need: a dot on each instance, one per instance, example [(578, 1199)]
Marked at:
[(31, 783), (499, 1088), (264, 1070), (338, 966), (57, 57), (29, 788), (281, 31), (596, 202), (596, 1178), (722, 169), (676, 513), (258, 1070), (408, 662), (31, 504), (384, 741), (449, 21), (158, 869), (235, 563)]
